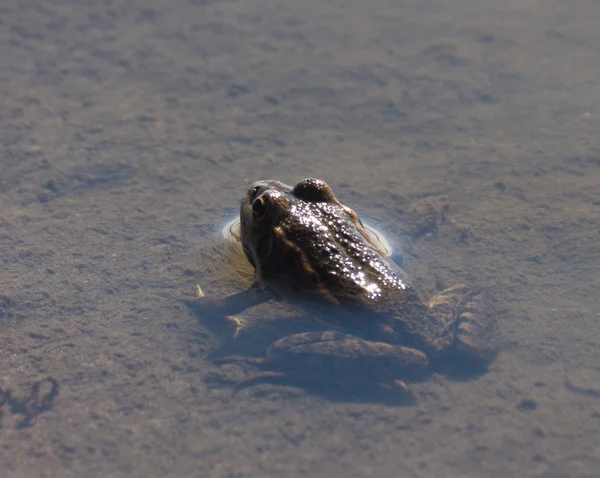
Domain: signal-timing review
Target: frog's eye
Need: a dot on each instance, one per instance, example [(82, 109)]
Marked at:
[(259, 209), (255, 192), (314, 190)]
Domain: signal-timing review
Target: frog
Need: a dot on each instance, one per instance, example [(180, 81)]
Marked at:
[(372, 325)]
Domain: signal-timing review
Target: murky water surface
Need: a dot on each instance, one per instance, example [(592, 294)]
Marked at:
[(129, 131)]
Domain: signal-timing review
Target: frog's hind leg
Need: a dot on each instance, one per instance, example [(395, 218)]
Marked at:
[(467, 317)]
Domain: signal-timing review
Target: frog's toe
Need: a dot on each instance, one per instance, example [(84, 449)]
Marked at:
[(467, 317), (237, 324), (476, 331)]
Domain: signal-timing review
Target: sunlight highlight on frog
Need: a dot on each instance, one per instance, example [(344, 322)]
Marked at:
[(231, 232)]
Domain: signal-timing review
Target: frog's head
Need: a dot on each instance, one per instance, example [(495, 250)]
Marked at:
[(268, 202)]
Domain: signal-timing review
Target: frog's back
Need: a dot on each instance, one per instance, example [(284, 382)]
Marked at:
[(333, 256)]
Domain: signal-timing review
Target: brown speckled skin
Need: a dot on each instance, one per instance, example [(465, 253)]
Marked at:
[(303, 243)]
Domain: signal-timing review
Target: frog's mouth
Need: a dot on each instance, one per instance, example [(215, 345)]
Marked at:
[(231, 232)]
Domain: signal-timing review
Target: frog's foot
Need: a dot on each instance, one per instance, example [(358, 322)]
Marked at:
[(228, 305), (476, 331), (464, 310), (237, 323), (226, 308)]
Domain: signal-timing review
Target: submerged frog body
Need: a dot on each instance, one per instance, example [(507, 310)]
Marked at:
[(306, 246)]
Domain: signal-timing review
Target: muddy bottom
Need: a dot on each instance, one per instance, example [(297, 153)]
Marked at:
[(128, 134)]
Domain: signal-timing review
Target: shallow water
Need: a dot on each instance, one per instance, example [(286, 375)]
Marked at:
[(129, 131)]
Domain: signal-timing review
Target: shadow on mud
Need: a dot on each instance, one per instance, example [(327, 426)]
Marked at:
[(29, 405)]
